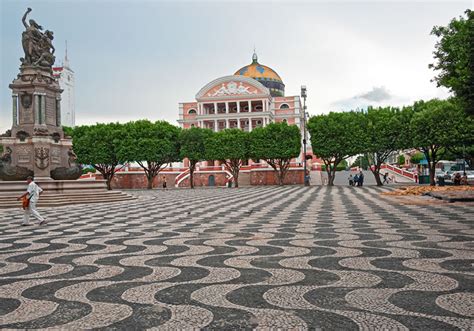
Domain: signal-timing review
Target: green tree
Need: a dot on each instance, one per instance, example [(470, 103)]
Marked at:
[(401, 159), (361, 161), (193, 147), (386, 132), (277, 144), (335, 137), (417, 158), (230, 146), (454, 58), (152, 145), (436, 125), (97, 145)]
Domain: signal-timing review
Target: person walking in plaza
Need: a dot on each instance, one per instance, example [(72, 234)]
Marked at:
[(356, 180), (164, 182), (31, 195), (385, 178), (361, 178)]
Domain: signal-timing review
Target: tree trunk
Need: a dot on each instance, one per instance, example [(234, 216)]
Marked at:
[(330, 177), (150, 178), (234, 168), (281, 177), (108, 180), (236, 179), (333, 175), (432, 173), (191, 174), (376, 173)]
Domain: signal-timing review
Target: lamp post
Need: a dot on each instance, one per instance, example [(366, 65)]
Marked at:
[(303, 95)]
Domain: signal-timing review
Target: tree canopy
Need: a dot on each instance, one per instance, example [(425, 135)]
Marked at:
[(454, 58), (98, 145), (335, 137), (437, 125), (277, 144), (193, 147), (152, 145), (231, 146), (386, 130)]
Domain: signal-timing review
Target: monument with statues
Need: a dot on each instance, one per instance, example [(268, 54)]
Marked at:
[(36, 144)]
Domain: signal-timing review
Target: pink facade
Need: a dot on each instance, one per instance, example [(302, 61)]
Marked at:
[(253, 97)]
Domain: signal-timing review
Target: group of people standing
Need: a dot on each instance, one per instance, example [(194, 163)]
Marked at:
[(357, 180)]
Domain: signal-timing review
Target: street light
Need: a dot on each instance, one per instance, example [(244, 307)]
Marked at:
[(303, 95)]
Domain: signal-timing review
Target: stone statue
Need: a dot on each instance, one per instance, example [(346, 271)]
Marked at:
[(9, 172), (38, 46), (74, 171)]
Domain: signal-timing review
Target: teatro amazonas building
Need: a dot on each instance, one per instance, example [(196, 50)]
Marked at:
[(252, 97)]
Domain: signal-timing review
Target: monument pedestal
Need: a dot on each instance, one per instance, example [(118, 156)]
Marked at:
[(36, 145)]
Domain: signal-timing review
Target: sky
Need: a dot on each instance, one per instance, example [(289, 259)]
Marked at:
[(139, 59)]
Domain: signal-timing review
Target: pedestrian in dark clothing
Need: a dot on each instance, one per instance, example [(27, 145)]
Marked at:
[(356, 180), (164, 182), (361, 179), (385, 178)]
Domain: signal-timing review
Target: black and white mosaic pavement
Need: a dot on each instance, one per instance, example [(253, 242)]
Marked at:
[(264, 257)]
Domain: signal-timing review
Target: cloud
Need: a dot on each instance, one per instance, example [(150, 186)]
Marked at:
[(377, 94)]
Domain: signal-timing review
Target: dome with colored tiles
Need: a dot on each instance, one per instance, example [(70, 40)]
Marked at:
[(264, 75)]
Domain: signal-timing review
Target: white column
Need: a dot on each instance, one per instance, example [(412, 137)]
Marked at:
[(250, 106), (238, 108), (226, 107), (226, 123), (215, 107), (215, 126), (238, 123), (250, 125)]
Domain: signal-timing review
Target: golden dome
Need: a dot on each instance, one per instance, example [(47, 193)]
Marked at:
[(258, 71), (263, 74)]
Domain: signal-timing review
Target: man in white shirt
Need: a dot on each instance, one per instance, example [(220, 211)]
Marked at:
[(33, 192)]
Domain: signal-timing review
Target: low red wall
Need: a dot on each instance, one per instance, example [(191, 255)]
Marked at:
[(269, 177), (202, 179), (137, 180)]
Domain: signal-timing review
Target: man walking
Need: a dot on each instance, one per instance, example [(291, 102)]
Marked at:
[(32, 193)]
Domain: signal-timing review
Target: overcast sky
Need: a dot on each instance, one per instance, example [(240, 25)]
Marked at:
[(139, 59)]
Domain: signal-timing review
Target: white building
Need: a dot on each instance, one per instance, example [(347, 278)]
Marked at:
[(65, 77)]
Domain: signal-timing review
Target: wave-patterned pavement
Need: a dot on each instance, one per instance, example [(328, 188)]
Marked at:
[(263, 257)]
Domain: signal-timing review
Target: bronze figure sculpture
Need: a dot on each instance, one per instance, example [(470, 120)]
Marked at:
[(37, 45)]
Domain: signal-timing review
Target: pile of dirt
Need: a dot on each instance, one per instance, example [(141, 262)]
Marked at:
[(422, 190)]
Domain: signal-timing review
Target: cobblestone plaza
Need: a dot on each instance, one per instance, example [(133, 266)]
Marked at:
[(264, 257)]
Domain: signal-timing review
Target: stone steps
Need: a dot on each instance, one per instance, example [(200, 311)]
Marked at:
[(70, 198), (62, 193)]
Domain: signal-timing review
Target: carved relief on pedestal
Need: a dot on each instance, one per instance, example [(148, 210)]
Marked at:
[(55, 155), (42, 157), (26, 100), (41, 131), (24, 154)]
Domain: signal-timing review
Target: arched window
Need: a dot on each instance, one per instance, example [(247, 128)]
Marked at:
[(192, 111), (284, 106)]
